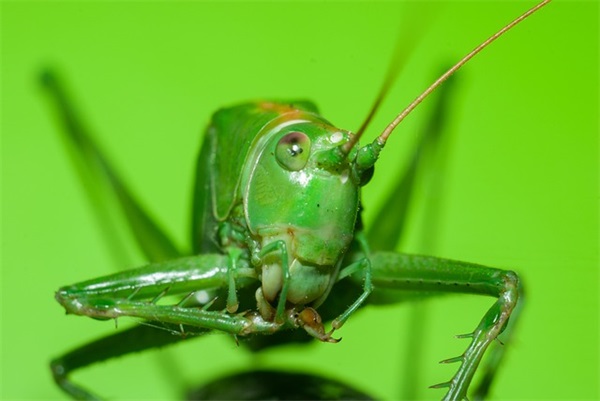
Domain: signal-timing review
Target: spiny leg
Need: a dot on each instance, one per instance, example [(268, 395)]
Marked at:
[(492, 362), (135, 293), (436, 275), (84, 299)]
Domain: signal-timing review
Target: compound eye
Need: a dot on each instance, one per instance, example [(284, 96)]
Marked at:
[(293, 150)]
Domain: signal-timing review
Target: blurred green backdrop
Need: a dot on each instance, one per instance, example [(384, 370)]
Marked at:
[(520, 188)]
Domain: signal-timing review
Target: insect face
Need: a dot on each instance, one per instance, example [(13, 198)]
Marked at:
[(316, 226)]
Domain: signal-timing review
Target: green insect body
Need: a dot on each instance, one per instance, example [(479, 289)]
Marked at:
[(290, 255), (277, 243), (293, 246)]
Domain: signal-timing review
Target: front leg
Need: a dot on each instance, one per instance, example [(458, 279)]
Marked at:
[(364, 266), (431, 274), (135, 293), (177, 276)]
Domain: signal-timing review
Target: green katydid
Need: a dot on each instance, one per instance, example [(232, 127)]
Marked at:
[(263, 262)]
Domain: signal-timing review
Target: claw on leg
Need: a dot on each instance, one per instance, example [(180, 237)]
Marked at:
[(310, 320)]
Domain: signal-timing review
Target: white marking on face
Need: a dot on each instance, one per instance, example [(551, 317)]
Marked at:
[(336, 137)]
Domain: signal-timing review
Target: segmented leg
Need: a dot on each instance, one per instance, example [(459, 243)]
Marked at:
[(492, 361), (135, 293), (364, 266), (232, 300), (430, 274)]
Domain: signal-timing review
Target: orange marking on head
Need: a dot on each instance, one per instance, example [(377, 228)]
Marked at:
[(279, 108)]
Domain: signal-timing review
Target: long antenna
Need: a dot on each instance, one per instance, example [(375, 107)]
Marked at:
[(388, 130), (402, 51)]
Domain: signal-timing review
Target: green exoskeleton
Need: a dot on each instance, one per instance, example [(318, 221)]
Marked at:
[(277, 242)]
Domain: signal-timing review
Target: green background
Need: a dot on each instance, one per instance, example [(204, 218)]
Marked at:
[(520, 187)]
